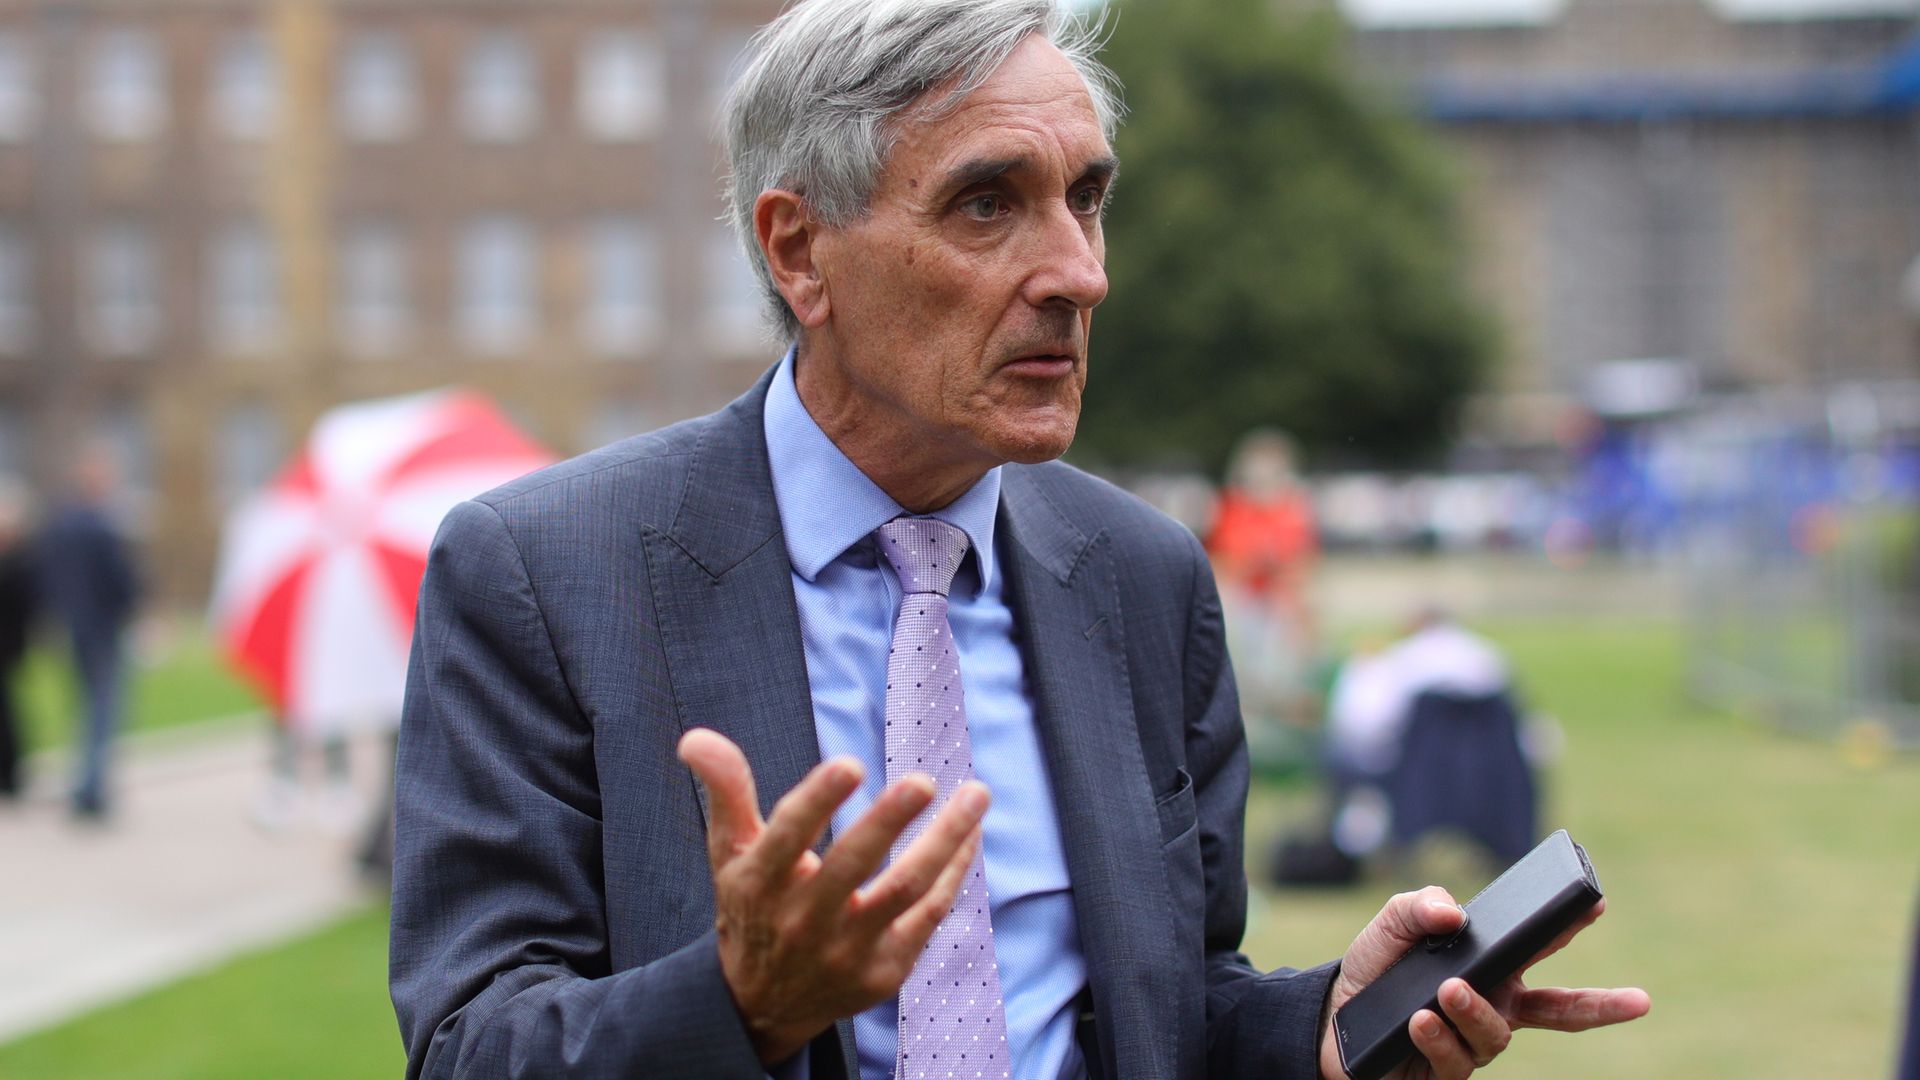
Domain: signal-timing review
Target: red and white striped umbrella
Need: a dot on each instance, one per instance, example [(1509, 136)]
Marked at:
[(314, 595)]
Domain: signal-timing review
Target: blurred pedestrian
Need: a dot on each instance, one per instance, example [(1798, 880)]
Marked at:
[(18, 595), (88, 581), (286, 799), (1264, 546)]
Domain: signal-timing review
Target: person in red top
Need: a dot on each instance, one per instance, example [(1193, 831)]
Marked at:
[(1264, 546)]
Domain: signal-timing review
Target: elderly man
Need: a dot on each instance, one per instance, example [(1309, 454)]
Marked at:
[(854, 603)]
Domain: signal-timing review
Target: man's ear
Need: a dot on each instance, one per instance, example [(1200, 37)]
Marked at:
[(787, 237)]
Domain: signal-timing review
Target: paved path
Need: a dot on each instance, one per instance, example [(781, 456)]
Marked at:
[(180, 879)]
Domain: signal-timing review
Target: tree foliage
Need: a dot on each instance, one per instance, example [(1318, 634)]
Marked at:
[(1282, 251)]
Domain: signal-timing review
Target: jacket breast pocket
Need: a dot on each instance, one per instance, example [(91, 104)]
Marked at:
[(1176, 809)]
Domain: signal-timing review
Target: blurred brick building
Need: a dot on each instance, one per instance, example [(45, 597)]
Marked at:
[(219, 217), (1730, 184)]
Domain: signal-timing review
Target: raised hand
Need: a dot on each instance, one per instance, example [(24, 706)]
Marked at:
[(802, 941), (1482, 1026)]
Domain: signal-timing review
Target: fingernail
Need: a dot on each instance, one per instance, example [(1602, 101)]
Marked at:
[(971, 798), (1458, 997), (1429, 1026)]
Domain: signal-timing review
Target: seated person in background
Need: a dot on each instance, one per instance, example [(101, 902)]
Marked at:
[(1370, 703)]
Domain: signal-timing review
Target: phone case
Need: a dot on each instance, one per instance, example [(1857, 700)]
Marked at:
[(1508, 923)]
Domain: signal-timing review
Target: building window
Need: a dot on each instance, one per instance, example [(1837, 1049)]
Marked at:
[(245, 94), (250, 443), (19, 94), (16, 290), (123, 432), (623, 87), (623, 287), (618, 419), (499, 89), (376, 298), (122, 290), (244, 315), (734, 322), (495, 281), (126, 86), (377, 94)]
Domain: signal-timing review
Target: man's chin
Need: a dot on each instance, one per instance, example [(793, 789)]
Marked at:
[(1037, 443)]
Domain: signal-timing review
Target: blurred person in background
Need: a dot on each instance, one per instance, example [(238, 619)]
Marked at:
[(1440, 655), (1459, 758), (18, 594), (286, 799), (1375, 695), (1264, 546), (921, 188), (88, 580)]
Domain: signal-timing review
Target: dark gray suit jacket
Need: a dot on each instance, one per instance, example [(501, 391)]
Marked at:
[(552, 907)]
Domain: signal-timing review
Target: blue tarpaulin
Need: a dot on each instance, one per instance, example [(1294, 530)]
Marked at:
[(1888, 87)]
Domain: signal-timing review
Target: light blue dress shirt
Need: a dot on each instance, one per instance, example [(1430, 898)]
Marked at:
[(848, 597)]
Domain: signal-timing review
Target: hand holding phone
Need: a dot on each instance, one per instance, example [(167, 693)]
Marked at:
[(1507, 924)]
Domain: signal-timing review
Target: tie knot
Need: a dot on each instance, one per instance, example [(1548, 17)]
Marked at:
[(925, 552)]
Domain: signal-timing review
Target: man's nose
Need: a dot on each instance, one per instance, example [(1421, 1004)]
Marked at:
[(1071, 271)]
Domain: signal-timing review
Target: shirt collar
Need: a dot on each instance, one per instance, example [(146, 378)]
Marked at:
[(827, 504)]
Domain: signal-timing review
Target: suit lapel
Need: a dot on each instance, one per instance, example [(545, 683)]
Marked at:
[(723, 594), (1061, 586)]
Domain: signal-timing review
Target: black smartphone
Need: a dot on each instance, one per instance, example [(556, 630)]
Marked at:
[(1508, 923)]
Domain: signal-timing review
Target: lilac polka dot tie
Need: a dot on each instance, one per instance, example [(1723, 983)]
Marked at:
[(952, 1021)]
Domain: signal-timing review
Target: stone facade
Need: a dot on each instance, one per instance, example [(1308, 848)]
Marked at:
[(1653, 179), (217, 219)]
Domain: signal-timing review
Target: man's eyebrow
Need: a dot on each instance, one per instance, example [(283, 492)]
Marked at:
[(1103, 169), (981, 171), (987, 170)]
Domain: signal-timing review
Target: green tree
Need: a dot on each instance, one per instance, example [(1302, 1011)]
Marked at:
[(1283, 251)]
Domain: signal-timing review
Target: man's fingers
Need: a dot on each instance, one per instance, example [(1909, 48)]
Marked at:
[(1479, 1024), (862, 849), (920, 868), (733, 810), (1430, 911), (1560, 1009), (1446, 1055), (800, 818), (916, 925)]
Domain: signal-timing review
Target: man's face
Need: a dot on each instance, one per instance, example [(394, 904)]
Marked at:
[(959, 308)]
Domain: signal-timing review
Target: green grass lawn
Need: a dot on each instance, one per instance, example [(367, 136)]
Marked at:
[(315, 1009), (1762, 889), (185, 682)]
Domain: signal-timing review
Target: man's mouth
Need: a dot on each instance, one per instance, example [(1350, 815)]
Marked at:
[(1042, 365)]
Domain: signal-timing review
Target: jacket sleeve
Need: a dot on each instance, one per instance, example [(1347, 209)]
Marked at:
[(500, 958), (1258, 1025)]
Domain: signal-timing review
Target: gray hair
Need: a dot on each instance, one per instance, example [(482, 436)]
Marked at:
[(813, 112)]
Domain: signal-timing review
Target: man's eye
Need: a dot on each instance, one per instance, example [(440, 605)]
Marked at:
[(1088, 199), (983, 207)]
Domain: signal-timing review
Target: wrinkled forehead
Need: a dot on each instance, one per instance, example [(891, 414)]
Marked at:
[(1035, 100)]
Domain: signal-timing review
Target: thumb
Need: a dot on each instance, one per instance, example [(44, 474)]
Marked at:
[(733, 815), (1406, 920)]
